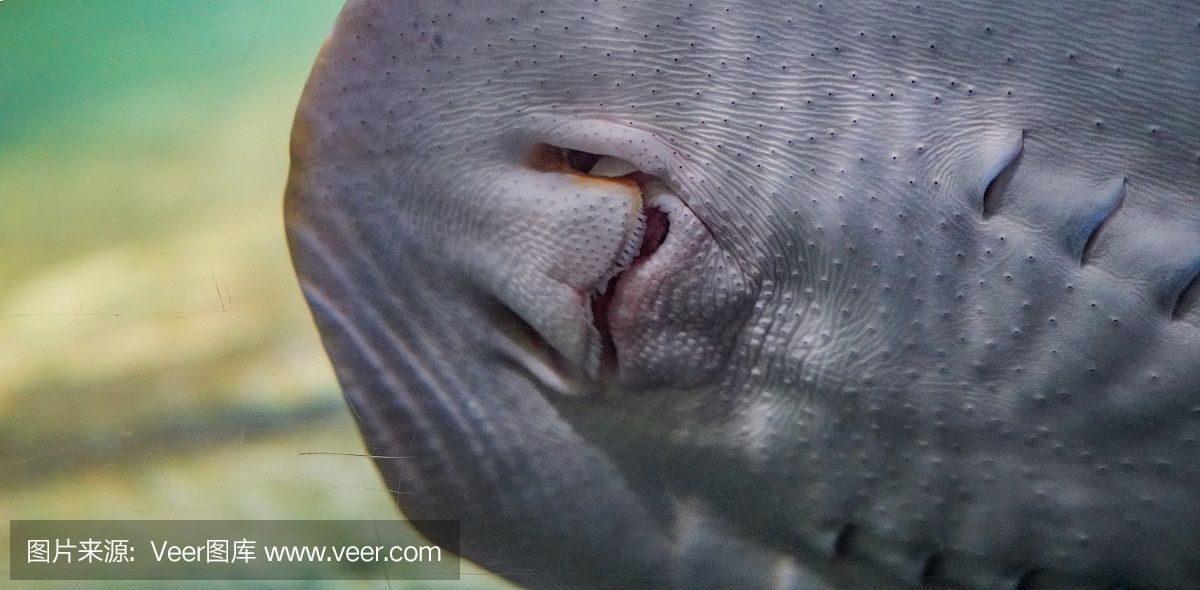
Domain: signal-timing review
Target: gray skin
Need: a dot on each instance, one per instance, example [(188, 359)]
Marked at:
[(926, 313)]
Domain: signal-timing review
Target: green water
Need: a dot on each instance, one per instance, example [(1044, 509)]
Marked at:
[(95, 95)]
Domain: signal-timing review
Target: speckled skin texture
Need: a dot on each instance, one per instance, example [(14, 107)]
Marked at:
[(926, 313)]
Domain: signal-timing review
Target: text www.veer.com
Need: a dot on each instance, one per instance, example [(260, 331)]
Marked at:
[(353, 553)]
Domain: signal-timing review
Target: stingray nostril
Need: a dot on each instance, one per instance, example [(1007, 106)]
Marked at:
[(580, 161), (552, 158)]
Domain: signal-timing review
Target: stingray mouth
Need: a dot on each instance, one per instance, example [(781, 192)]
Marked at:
[(648, 233), (655, 224)]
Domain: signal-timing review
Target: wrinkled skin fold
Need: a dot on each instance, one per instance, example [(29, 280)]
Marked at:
[(921, 308)]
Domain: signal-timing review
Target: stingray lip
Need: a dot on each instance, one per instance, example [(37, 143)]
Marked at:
[(625, 284)]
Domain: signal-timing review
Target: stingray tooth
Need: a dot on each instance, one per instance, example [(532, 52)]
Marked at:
[(610, 167), (629, 251), (633, 245), (602, 284)]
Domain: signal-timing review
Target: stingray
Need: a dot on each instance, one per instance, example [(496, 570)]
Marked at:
[(768, 294)]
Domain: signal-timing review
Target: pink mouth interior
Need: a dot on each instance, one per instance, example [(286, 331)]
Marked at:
[(657, 226)]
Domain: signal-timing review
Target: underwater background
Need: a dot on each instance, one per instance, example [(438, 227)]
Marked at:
[(156, 357)]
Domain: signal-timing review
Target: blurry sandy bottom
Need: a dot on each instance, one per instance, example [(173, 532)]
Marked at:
[(245, 479)]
